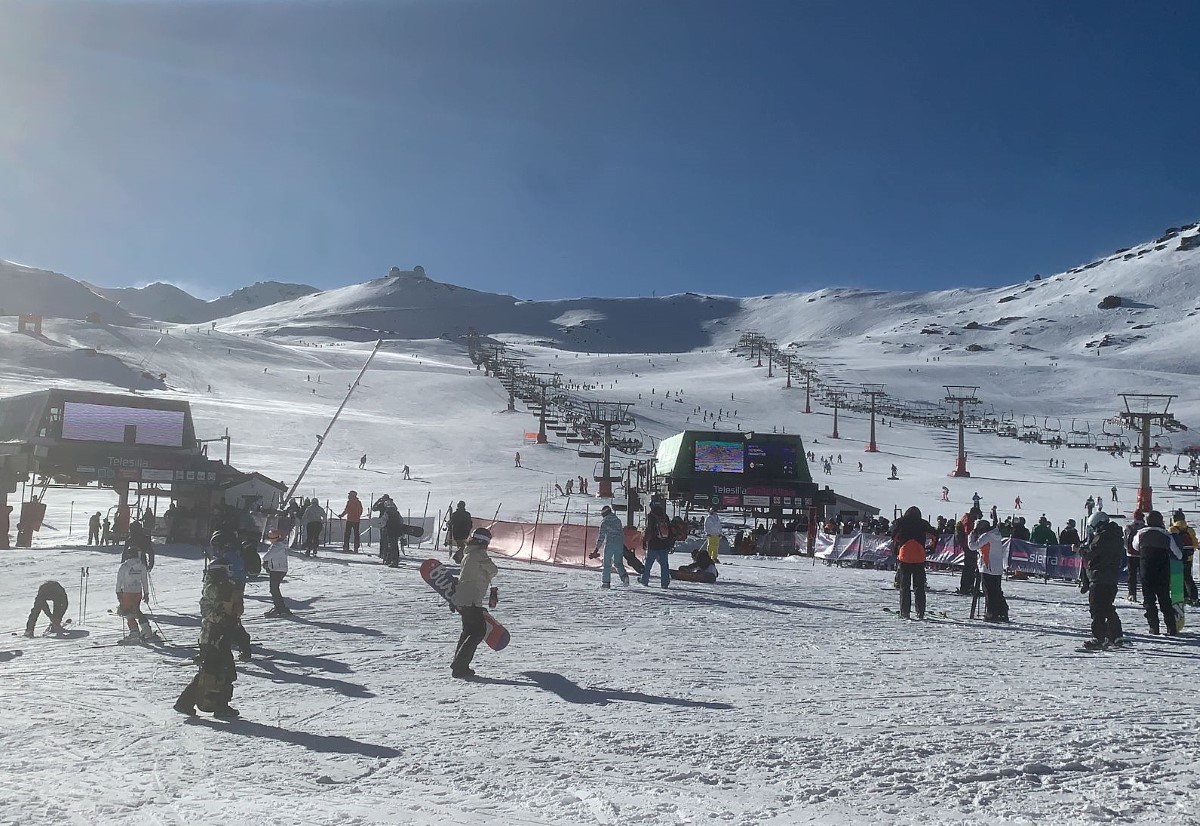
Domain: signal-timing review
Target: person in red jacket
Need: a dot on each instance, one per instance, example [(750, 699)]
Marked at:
[(352, 513), (911, 535)]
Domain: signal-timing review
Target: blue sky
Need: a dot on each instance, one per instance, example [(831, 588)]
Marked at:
[(562, 148)]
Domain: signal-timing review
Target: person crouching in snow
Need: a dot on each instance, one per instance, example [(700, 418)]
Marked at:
[(275, 560), (701, 569), (990, 545), (612, 540), (478, 570), (133, 586)]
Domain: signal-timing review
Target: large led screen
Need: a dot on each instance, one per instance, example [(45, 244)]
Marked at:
[(719, 457), (104, 423), (771, 460)]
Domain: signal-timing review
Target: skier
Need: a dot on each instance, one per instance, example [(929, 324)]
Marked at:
[(362, 461), (570, 486), (1133, 562), (894, 475), (945, 494), (395, 529), (712, 530), (976, 499), (1185, 537), (220, 606), (910, 536), (407, 473), (657, 543), (94, 529), (1085, 467), (352, 513), (990, 545), (50, 593), (314, 518), (994, 515), (1102, 554), (1017, 503), (612, 539), (1156, 547), (133, 588), (275, 560), (478, 571), (1089, 505), (517, 458), (461, 524), (1113, 491)]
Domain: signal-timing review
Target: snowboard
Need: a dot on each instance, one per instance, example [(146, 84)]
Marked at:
[(441, 580), (412, 530), (1178, 600)]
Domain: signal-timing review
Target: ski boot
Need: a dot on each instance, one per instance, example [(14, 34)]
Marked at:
[(183, 708), (1095, 645), (227, 713)]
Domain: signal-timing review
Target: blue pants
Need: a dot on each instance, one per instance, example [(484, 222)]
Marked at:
[(614, 557), (664, 571)]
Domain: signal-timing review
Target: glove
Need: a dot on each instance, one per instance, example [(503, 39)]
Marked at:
[(494, 597)]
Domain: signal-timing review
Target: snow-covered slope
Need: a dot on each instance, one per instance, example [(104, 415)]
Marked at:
[(166, 302)]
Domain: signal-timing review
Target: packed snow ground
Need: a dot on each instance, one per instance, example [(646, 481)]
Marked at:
[(782, 695)]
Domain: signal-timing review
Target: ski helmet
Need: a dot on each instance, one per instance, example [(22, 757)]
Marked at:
[(1098, 519)]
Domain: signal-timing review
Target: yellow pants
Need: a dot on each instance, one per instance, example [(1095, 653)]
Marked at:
[(714, 547)]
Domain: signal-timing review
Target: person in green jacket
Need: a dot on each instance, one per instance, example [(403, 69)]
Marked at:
[(1042, 533)]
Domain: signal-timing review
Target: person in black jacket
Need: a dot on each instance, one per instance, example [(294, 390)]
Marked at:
[(461, 526), (50, 593), (912, 535), (657, 543), (1069, 535), (1103, 555), (1156, 547)]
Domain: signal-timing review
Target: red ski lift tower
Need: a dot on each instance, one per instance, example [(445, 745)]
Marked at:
[(961, 395), (607, 414), (1141, 411), (874, 391), (808, 371), (836, 397), (544, 381)]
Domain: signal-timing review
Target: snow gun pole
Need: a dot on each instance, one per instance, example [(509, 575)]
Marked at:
[(321, 439), (426, 513)]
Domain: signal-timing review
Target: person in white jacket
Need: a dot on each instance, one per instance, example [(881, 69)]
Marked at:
[(133, 586), (712, 529), (612, 539), (990, 544), (478, 570), (275, 560)]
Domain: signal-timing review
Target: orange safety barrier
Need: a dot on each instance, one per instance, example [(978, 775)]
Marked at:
[(554, 542)]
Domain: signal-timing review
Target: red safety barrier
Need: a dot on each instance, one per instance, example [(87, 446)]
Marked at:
[(557, 543)]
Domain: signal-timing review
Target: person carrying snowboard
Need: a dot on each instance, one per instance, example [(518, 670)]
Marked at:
[(228, 551), (910, 536), (1156, 547), (478, 571), (220, 606), (51, 593), (612, 540), (990, 546), (275, 560), (460, 529), (1103, 554), (1185, 537)]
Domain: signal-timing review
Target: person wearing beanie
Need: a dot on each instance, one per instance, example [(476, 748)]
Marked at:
[(1069, 535), (911, 535), (1156, 547), (612, 539), (990, 546), (1133, 562), (1043, 534), (657, 542), (478, 571), (1103, 554), (1185, 537)]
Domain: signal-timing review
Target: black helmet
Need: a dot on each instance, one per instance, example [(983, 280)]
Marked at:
[(1177, 515), (223, 539)]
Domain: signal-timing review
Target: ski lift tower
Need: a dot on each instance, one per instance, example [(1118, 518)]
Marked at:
[(607, 414), (544, 381), (874, 391), (962, 395), (1141, 411), (809, 371), (789, 363), (836, 397)]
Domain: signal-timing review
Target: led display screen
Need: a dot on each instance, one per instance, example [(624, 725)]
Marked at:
[(105, 423), (771, 460), (719, 457)]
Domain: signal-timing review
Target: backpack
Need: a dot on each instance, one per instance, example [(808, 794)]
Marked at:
[(662, 527), (1183, 538)]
